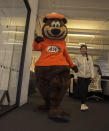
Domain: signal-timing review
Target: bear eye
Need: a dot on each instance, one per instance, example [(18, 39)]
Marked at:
[(57, 24), (53, 24)]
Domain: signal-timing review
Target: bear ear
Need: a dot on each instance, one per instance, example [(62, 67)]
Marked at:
[(45, 19), (64, 20)]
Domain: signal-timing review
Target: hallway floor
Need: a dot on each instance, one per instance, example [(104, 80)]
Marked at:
[(26, 119)]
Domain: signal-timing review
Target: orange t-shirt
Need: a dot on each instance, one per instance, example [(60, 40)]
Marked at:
[(53, 53)]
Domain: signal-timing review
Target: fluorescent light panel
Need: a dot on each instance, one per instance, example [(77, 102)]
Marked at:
[(18, 32), (71, 46), (81, 35)]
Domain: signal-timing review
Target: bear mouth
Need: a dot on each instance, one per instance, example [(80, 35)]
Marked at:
[(55, 32), (58, 36)]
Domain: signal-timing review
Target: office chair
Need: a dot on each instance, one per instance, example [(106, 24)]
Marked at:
[(95, 88)]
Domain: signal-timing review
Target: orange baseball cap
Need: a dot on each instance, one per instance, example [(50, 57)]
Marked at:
[(54, 15)]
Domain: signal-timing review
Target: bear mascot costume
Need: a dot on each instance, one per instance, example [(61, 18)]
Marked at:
[(52, 69)]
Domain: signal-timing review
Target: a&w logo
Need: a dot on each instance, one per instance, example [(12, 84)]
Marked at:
[(53, 49)]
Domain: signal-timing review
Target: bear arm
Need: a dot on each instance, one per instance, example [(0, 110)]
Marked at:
[(69, 60), (36, 46)]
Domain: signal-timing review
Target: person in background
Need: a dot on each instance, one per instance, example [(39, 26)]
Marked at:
[(84, 76), (97, 70)]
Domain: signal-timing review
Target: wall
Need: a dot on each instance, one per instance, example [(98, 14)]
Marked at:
[(103, 62), (26, 71)]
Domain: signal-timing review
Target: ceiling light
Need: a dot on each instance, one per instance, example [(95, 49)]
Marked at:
[(89, 47), (81, 35), (73, 46), (19, 32), (82, 44), (8, 43)]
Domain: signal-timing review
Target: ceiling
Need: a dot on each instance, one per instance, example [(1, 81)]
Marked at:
[(12, 21), (13, 10), (79, 9), (11, 4), (88, 22)]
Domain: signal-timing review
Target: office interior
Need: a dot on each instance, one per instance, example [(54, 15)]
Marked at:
[(88, 23)]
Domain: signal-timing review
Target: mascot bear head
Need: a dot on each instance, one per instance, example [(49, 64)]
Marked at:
[(54, 26)]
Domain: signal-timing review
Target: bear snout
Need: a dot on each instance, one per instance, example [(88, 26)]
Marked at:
[(55, 31)]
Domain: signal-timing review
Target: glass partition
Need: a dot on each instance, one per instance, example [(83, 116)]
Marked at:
[(13, 15)]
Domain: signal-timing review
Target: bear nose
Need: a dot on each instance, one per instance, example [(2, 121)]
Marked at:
[(55, 31)]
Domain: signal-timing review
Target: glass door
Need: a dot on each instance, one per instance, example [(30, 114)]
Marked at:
[(13, 19)]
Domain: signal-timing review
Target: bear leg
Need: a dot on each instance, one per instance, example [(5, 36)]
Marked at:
[(59, 86)]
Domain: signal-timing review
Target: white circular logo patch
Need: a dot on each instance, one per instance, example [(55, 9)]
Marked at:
[(54, 49)]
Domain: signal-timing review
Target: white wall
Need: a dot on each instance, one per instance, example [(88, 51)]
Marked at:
[(26, 71)]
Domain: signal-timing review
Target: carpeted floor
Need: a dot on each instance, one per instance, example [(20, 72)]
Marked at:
[(26, 119)]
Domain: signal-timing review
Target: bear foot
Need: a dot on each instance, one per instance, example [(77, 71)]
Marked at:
[(58, 115)]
